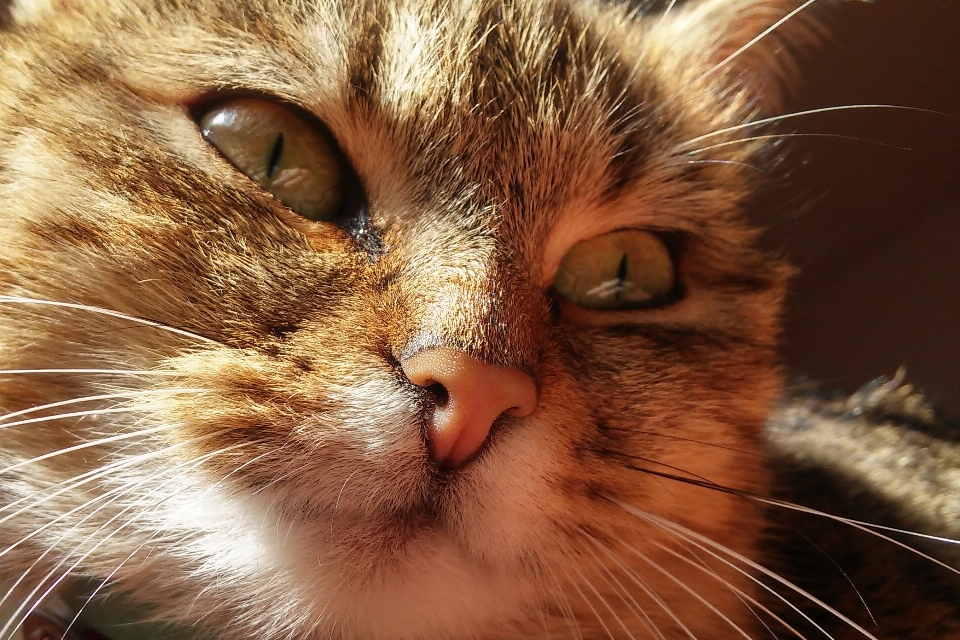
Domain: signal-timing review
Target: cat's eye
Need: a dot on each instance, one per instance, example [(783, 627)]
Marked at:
[(280, 150), (627, 269)]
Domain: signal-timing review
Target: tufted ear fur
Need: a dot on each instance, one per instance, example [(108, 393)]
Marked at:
[(750, 42)]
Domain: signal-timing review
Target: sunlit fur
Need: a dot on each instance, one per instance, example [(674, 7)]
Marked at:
[(259, 470)]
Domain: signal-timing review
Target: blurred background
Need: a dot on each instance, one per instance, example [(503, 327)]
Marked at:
[(872, 218)]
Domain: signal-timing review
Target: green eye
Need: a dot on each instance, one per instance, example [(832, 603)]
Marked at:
[(282, 152), (627, 269)]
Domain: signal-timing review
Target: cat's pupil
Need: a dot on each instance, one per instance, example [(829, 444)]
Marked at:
[(621, 276), (275, 155)]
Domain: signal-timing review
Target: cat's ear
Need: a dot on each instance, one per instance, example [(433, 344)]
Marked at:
[(750, 42)]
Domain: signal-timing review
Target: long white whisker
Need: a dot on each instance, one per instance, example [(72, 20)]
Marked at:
[(705, 568), (680, 583), (735, 163), (126, 490), (101, 496), (778, 136), (105, 396), (107, 312), (87, 445), (669, 8), (700, 564), (123, 372), (867, 527), (109, 577), (77, 481), (693, 535), (644, 586), (628, 598), (566, 607), (607, 605), (590, 605), (73, 414), (119, 492), (800, 114), (763, 34)]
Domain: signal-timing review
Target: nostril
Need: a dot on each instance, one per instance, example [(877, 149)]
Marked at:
[(440, 394), (470, 396)]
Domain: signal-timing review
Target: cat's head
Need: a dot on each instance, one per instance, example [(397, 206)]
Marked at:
[(434, 369)]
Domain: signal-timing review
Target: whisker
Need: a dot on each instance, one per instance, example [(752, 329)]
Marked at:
[(628, 456), (669, 8), (698, 562), (763, 34), (704, 567), (109, 577), (566, 607), (777, 136), (127, 489), (688, 589), (106, 396), (625, 595), (80, 480), (73, 414), (86, 445), (692, 441), (125, 372), (693, 535), (644, 586), (590, 604), (606, 604), (846, 577), (40, 529), (808, 112), (867, 527), (107, 312)]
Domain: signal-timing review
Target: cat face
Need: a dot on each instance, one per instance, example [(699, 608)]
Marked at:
[(244, 429)]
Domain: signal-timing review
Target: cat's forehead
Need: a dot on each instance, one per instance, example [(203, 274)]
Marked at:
[(466, 113), (491, 102)]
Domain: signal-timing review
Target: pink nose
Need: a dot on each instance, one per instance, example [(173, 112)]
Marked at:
[(470, 395)]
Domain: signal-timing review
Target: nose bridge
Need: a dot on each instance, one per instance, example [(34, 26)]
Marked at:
[(473, 301)]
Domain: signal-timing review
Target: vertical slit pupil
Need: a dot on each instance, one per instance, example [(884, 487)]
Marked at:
[(621, 276), (275, 155)]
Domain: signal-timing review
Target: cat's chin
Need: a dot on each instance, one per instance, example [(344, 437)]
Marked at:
[(410, 576)]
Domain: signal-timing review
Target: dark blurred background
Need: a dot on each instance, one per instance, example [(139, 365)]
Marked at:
[(874, 222)]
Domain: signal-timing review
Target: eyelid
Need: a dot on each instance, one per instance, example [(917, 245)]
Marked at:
[(581, 221)]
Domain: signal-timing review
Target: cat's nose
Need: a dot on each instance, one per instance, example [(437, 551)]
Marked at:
[(470, 395)]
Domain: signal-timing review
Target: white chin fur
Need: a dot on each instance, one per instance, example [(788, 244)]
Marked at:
[(429, 589)]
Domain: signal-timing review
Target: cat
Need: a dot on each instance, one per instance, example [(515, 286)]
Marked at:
[(408, 319)]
